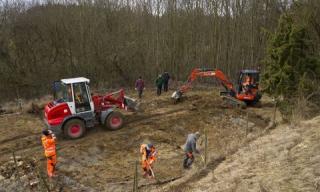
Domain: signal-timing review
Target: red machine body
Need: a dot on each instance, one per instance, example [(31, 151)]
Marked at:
[(75, 109), (55, 114), (110, 100), (246, 92)]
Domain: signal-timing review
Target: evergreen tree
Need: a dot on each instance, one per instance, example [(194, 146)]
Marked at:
[(289, 60)]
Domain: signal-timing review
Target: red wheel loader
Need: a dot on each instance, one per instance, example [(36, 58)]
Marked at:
[(75, 109)]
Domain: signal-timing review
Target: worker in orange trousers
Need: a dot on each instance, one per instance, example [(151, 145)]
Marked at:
[(149, 153), (49, 144)]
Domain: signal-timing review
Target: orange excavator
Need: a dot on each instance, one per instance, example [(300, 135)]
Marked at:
[(245, 93)]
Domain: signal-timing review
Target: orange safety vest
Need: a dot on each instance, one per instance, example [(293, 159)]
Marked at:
[(150, 156), (49, 145), (247, 81)]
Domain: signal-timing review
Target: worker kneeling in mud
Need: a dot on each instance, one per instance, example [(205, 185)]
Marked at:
[(190, 148), (148, 152), (49, 144)]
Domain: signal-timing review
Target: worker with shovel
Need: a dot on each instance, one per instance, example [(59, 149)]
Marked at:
[(148, 152), (49, 144), (190, 148)]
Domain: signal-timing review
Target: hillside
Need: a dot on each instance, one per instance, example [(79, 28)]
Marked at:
[(285, 159)]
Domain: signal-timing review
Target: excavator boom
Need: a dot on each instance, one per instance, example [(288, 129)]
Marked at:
[(202, 72)]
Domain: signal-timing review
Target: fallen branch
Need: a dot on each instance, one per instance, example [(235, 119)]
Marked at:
[(159, 182), (10, 114)]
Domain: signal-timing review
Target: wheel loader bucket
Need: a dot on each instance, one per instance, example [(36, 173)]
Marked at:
[(131, 103)]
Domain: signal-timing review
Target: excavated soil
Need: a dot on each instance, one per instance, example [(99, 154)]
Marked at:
[(104, 160)]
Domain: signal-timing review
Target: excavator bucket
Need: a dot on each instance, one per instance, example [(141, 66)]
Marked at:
[(176, 96)]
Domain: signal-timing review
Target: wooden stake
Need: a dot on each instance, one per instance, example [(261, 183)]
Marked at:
[(247, 128), (16, 166), (274, 113), (205, 148), (20, 104), (135, 177), (43, 179)]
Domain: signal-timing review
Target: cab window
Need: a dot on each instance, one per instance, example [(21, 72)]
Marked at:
[(62, 92), (82, 102)]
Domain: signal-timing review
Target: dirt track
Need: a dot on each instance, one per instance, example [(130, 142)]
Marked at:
[(104, 160)]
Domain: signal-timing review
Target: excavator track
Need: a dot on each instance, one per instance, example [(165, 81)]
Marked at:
[(233, 102)]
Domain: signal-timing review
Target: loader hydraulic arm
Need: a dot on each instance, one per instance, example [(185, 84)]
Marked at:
[(115, 99)]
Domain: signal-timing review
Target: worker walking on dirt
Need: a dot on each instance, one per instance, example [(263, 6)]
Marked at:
[(148, 152), (49, 144), (139, 86), (165, 77), (159, 83), (190, 148)]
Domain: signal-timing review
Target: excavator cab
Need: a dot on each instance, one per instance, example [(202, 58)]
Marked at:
[(248, 80)]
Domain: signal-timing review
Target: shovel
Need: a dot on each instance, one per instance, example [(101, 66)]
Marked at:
[(202, 158), (152, 173)]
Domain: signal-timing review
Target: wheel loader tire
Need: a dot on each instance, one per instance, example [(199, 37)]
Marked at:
[(114, 121), (74, 129)]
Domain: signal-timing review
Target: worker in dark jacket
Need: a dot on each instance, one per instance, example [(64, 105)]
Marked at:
[(139, 86), (190, 148), (165, 77), (159, 83)]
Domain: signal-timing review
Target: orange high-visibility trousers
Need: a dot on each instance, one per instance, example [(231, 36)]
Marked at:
[(147, 164), (146, 168), (51, 164)]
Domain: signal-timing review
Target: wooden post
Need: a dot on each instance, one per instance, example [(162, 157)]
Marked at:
[(20, 104), (205, 148), (43, 180), (274, 112), (247, 127), (16, 167), (135, 177)]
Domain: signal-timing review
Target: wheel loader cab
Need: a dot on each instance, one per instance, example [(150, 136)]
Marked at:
[(248, 79), (76, 93)]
